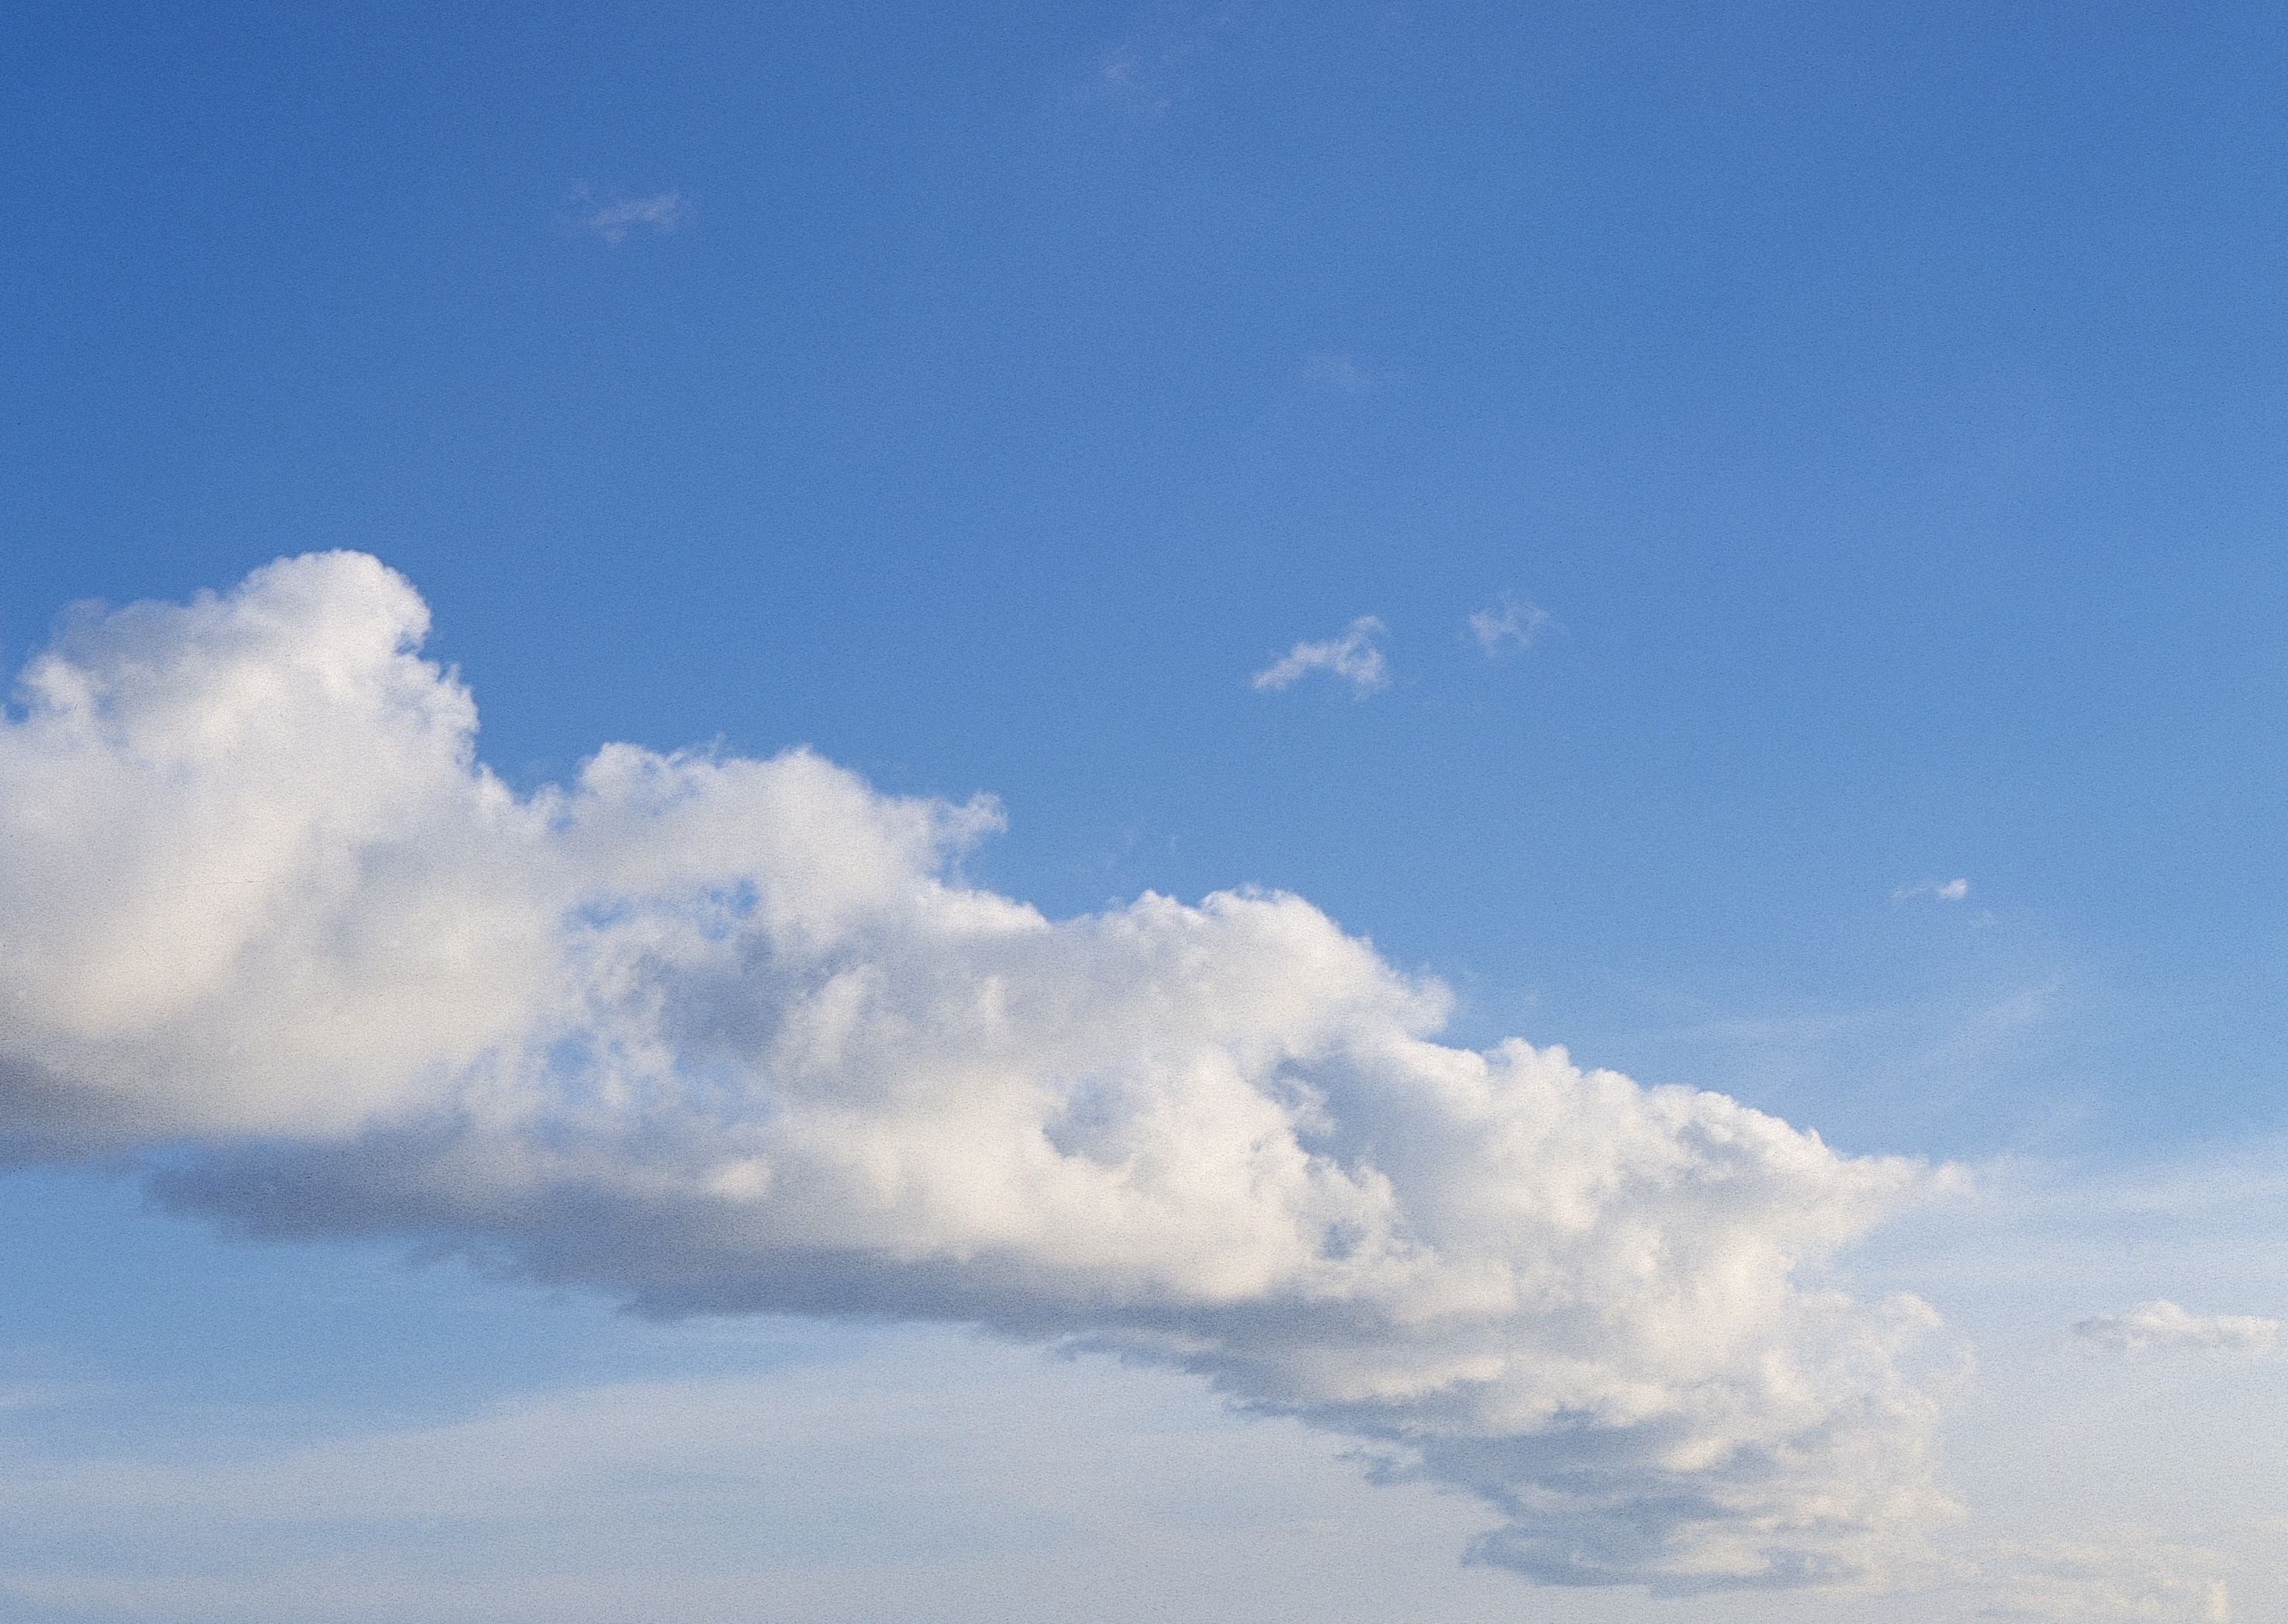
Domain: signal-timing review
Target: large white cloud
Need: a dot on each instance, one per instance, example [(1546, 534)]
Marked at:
[(722, 1034)]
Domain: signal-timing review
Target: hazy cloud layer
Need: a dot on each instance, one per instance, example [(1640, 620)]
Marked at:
[(2120, 1575), (2161, 1327), (1943, 890), (722, 1034), (1353, 657)]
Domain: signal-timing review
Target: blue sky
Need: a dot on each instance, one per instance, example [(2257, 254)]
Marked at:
[(1865, 418)]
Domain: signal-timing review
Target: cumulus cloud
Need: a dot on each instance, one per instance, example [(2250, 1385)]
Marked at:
[(718, 1034), (1509, 627), (2162, 1327), (1944, 890), (614, 217), (1354, 657)]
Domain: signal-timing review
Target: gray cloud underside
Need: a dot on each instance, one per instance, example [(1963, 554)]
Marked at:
[(720, 1034)]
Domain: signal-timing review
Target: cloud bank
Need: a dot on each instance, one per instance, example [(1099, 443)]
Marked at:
[(719, 1034), (1354, 657)]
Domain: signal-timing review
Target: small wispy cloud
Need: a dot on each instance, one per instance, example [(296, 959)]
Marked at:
[(2162, 1327), (1150, 71), (613, 217), (1354, 657), (1944, 890), (1127, 76), (1343, 374), (1509, 627)]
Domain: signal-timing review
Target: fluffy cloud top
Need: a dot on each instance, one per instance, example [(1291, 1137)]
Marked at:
[(2162, 1326), (723, 1034)]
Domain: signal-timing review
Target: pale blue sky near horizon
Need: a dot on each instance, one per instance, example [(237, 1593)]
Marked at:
[(1883, 404)]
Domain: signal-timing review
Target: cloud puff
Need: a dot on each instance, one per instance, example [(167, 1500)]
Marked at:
[(1353, 656), (719, 1034), (1944, 890), (2161, 1326), (1509, 627), (611, 219)]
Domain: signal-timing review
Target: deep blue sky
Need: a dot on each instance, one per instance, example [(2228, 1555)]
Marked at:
[(1885, 400)]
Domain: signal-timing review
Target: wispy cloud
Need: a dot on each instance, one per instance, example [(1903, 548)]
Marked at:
[(1509, 627), (613, 216), (1151, 71), (1343, 374), (1354, 657), (2126, 1574), (2162, 1327), (1944, 890)]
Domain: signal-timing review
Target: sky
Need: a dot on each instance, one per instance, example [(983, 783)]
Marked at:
[(1173, 814)]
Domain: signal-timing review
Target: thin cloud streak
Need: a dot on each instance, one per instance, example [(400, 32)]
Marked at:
[(2162, 1327), (1943, 890), (1343, 374), (613, 218)]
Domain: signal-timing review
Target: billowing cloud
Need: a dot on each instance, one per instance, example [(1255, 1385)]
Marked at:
[(719, 1034), (2161, 1326), (1354, 657)]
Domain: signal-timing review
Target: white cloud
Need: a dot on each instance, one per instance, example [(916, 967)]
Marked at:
[(1353, 656), (2161, 1326), (1944, 890), (612, 218), (1510, 626), (719, 1034)]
